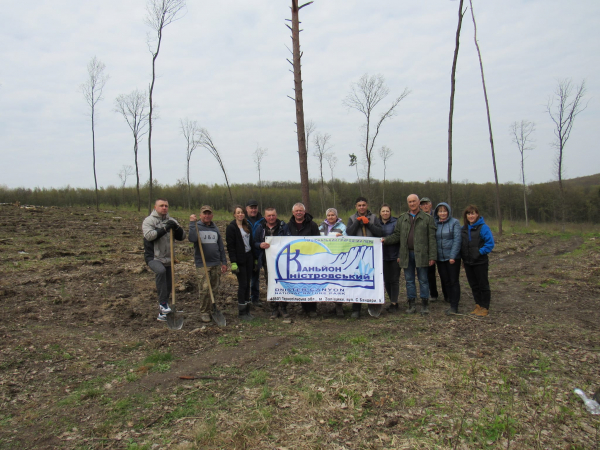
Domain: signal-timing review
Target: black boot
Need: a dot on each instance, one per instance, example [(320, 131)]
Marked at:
[(274, 310), (411, 306), (424, 306), (244, 312)]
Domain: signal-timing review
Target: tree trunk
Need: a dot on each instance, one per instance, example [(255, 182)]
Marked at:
[(94, 160), (302, 153), (137, 174), (487, 108), (154, 56), (452, 88)]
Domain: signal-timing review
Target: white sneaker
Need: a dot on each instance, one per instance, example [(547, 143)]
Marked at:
[(164, 309), (161, 317)]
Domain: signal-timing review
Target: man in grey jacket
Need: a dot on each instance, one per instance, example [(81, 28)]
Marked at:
[(363, 223), (214, 254), (157, 250)]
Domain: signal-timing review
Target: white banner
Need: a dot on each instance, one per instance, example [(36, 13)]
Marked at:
[(325, 269)]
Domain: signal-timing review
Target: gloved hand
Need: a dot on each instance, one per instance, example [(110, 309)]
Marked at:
[(171, 225), (363, 219), (255, 268), (234, 268)]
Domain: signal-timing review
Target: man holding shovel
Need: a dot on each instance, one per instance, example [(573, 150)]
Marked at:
[(157, 251), (214, 254)]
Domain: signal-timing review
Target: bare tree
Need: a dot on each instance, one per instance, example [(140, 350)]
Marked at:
[(521, 133), (331, 162), (461, 13), (259, 154), (354, 163), (385, 153), (364, 96), (159, 14), (299, 101), (309, 128), (124, 173), (206, 142), (563, 113), (133, 108), (322, 148), (487, 108), (92, 92), (190, 131)]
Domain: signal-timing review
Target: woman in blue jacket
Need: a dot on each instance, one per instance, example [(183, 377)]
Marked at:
[(448, 239), (391, 268), (477, 243)]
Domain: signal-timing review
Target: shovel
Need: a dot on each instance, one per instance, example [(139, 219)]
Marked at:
[(373, 308), (216, 315), (174, 318)]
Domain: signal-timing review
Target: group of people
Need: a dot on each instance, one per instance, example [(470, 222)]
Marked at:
[(417, 241)]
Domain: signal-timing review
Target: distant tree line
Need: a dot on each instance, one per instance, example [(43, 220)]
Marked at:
[(582, 202)]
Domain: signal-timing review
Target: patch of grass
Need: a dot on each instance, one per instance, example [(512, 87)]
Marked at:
[(296, 359), (548, 282), (206, 432), (358, 340), (229, 341), (90, 394), (350, 397), (158, 357), (258, 377), (161, 367)]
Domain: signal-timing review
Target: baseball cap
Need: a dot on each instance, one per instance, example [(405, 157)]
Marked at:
[(251, 202), (206, 208), (425, 200)]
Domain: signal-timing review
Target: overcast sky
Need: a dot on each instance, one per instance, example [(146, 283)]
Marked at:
[(224, 65)]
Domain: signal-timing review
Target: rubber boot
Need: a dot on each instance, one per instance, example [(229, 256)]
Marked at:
[(424, 306), (411, 306), (285, 314), (244, 312), (274, 310)]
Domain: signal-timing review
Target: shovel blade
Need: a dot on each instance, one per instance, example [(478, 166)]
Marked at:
[(375, 309), (175, 320), (219, 318)]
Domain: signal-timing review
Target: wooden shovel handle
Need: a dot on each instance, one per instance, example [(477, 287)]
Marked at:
[(212, 298), (172, 267)]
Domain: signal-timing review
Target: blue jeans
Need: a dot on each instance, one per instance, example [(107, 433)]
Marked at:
[(409, 276)]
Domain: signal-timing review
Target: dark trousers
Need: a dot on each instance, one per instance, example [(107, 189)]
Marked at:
[(244, 275), (163, 280), (255, 285), (391, 279), (477, 276), (274, 305), (449, 274)]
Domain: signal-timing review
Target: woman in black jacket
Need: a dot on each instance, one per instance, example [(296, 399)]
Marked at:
[(238, 236)]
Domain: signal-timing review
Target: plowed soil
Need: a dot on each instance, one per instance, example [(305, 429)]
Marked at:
[(85, 364)]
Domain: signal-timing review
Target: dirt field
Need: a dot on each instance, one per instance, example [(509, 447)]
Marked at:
[(84, 363)]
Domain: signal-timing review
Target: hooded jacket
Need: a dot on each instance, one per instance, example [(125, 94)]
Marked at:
[(157, 244), (425, 246), (308, 228), (212, 244), (372, 229), (447, 235), (337, 227), (390, 252), (477, 242), (255, 222)]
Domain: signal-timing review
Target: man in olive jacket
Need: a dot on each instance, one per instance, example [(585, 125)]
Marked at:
[(415, 232)]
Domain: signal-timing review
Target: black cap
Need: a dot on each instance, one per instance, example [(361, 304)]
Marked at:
[(251, 202), (425, 200)]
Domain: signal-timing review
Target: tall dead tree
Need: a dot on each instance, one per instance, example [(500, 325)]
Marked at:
[(385, 153), (92, 92), (331, 162), (487, 108), (206, 142), (299, 101), (322, 148), (461, 13), (364, 96), (563, 113), (133, 108), (190, 131), (258, 155), (159, 14), (521, 133)]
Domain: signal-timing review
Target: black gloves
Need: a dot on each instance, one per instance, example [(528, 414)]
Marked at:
[(171, 225)]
